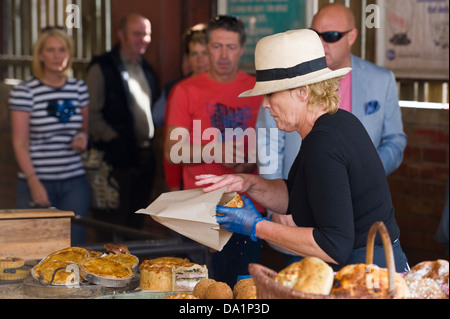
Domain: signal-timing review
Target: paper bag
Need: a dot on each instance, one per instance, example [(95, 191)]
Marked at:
[(192, 213)]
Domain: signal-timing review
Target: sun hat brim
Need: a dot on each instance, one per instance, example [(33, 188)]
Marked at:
[(289, 60)]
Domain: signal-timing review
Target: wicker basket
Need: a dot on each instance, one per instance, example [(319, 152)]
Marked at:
[(268, 288)]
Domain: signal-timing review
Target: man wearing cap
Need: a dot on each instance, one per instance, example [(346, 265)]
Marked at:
[(368, 91), (337, 188)]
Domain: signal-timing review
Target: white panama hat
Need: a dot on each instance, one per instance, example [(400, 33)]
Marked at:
[(289, 60)]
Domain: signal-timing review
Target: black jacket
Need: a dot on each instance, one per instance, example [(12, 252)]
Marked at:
[(116, 110)]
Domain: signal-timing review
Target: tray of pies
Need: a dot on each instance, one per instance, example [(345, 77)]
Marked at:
[(75, 266)]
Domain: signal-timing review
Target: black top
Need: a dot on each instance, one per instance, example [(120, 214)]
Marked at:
[(338, 185), (122, 151)]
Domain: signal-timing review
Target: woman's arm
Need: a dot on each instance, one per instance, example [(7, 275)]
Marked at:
[(298, 240), (80, 140), (20, 122)]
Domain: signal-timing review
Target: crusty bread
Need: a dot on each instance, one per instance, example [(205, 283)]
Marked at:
[(424, 288), (310, 275), (367, 281), (427, 280), (436, 270)]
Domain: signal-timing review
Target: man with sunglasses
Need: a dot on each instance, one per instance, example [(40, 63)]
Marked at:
[(368, 91)]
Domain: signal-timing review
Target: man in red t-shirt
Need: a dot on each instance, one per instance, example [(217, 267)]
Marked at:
[(205, 109)]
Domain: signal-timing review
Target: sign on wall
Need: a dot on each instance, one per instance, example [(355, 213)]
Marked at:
[(263, 18), (415, 37)]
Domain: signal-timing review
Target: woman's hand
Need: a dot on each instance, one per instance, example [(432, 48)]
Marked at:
[(233, 182), (240, 220), (79, 142), (38, 193)]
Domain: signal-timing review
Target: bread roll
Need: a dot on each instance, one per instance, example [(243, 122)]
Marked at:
[(201, 287), (242, 284), (218, 290), (247, 292), (310, 275)]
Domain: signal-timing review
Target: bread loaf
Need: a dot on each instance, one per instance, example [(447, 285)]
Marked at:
[(436, 270), (367, 281), (310, 275), (427, 279)]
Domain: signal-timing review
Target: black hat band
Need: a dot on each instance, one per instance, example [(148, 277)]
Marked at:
[(292, 72)]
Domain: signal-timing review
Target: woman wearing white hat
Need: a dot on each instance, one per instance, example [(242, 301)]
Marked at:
[(337, 186)]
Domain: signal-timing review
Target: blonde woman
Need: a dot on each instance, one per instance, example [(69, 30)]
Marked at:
[(337, 186), (49, 125)]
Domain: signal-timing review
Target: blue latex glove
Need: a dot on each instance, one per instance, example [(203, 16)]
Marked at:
[(240, 220)]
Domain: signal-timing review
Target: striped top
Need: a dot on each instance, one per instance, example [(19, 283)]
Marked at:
[(55, 118)]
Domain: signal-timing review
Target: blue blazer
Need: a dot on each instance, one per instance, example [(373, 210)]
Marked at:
[(374, 103)]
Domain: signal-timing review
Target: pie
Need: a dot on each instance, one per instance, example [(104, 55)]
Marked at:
[(9, 268), (182, 295), (170, 274), (117, 248), (185, 277), (107, 268), (166, 261), (73, 254), (128, 259), (11, 262), (64, 272)]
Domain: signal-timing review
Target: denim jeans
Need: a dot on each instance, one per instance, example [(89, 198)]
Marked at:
[(401, 262), (69, 195)]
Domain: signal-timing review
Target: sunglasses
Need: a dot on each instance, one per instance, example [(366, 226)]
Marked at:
[(332, 36)]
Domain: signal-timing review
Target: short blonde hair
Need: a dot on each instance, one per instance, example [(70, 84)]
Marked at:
[(37, 66), (325, 93)]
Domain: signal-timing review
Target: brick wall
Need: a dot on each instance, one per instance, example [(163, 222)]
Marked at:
[(418, 187)]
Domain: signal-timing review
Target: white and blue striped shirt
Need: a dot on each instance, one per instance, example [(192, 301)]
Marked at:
[(55, 118)]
